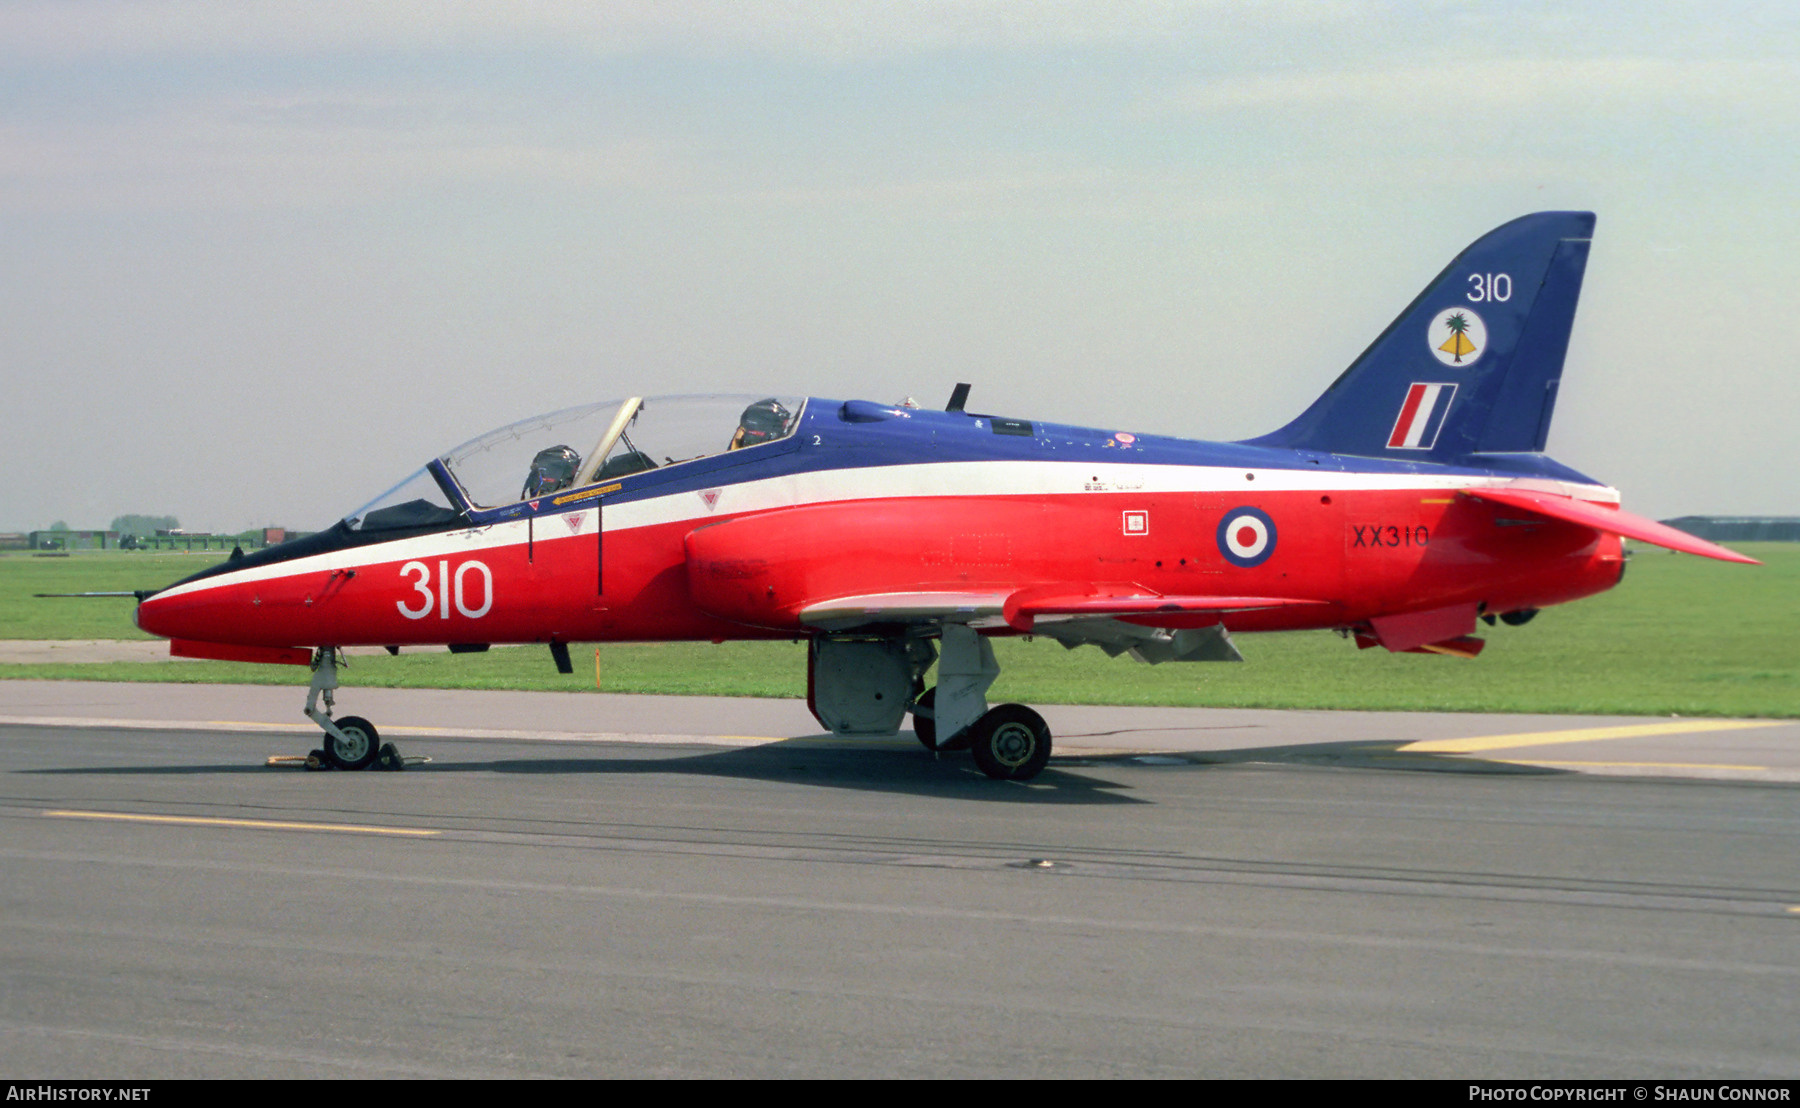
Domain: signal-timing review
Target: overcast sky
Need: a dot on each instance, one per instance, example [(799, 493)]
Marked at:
[(261, 260)]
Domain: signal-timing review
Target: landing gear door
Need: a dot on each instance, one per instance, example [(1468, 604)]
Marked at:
[(864, 687)]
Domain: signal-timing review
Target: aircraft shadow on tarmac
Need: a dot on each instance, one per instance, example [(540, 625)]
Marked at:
[(1349, 755), (828, 761), (825, 760), (801, 761)]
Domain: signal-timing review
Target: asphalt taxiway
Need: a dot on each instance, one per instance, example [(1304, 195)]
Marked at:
[(581, 884)]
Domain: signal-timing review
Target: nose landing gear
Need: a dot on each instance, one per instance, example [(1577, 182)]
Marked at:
[(351, 742)]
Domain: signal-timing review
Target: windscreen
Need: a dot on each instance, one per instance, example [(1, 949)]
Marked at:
[(417, 501), (514, 462)]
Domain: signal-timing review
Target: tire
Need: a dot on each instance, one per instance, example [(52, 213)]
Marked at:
[(1010, 743), (926, 726), (362, 749)]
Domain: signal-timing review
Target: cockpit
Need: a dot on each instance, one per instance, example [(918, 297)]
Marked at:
[(549, 455)]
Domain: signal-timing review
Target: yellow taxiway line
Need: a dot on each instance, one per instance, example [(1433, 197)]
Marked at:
[(261, 824), (1632, 765), (1585, 734)]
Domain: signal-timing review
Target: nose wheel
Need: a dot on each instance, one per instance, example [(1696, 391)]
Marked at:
[(356, 744)]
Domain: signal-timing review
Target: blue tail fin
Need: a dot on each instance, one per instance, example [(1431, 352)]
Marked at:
[(1472, 365)]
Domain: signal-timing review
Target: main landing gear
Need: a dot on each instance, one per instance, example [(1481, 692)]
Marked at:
[(865, 683), (351, 742), (1009, 743)]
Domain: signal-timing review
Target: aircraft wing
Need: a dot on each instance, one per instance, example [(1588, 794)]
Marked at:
[(1603, 517), (844, 612), (1019, 609)]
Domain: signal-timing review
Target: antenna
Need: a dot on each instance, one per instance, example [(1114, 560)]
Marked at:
[(958, 397)]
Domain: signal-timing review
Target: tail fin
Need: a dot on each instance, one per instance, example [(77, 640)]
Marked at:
[(1472, 365)]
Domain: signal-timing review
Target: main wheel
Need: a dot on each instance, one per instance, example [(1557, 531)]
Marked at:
[(926, 726), (360, 749), (1010, 743)]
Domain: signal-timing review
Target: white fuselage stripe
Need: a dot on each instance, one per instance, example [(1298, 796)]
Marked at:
[(933, 479)]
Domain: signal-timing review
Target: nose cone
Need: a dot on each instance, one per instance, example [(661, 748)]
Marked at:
[(282, 596), (166, 615), (208, 606)]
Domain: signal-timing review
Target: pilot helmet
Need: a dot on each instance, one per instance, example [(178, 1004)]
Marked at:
[(763, 421), (554, 468)]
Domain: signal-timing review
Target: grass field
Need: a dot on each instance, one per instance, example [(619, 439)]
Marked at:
[(1681, 635)]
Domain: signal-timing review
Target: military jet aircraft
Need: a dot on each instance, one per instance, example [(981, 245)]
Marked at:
[(1411, 501)]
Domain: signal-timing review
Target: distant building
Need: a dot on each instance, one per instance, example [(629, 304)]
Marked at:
[(15, 540), (74, 540), (1739, 528), (273, 535)]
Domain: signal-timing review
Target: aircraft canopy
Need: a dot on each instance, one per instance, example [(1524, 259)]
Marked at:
[(547, 454)]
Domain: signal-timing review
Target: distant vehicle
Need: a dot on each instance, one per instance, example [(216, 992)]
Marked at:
[(1410, 502)]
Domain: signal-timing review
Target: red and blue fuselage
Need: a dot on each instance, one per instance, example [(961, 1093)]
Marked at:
[(857, 498), (1411, 498)]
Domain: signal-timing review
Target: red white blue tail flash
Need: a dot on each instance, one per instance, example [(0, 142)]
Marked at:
[(1421, 416)]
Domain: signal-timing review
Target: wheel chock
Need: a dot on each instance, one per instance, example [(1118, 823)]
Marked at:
[(388, 758), (313, 760)]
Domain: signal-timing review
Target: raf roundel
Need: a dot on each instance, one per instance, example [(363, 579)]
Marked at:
[(1246, 537)]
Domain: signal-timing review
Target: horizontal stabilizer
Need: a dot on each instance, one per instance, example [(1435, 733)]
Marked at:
[(1605, 517)]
